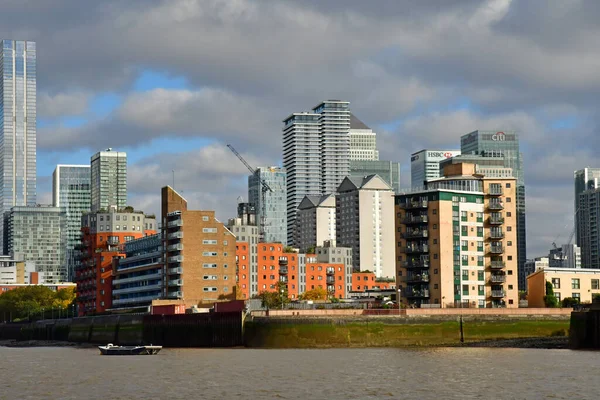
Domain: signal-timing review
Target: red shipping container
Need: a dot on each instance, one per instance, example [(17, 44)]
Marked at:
[(168, 309)]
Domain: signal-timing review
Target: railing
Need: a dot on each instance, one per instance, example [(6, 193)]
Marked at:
[(176, 282), (495, 205), (177, 222), (283, 279), (495, 220), (137, 289), (283, 271), (498, 293), (175, 259), (416, 249), (415, 234), (331, 280), (415, 219), (175, 271), (177, 294), (496, 249), (417, 278), (415, 264), (496, 191), (330, 271), (414, 204), (283, 261), (417, 293), (120, 281), (497, 264), (498, 278), (496, 235), (175, 235), (175, 247)]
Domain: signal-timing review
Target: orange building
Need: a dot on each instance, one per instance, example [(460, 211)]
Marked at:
[(242, 262), (103, 234), (362, 281)]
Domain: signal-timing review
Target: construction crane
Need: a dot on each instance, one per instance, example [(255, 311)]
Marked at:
[(264, 188), (571, 235)]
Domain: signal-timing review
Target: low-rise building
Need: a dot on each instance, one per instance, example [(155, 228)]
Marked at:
[(247, 236), (315, 222), (363, 281), (582, 284), (533, 265)]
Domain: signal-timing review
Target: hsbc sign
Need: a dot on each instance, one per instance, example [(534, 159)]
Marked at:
[(439, 154)]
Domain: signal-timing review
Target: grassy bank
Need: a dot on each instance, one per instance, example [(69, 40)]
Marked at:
[(378, 334)]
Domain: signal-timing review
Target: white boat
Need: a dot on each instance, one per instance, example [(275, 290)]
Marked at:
[(112, 350)]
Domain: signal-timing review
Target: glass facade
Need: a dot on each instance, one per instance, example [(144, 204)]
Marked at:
[(388, 171), (108, 180), (71, 190), (17, 125), (504, 144), (37, 234), (275, 202)]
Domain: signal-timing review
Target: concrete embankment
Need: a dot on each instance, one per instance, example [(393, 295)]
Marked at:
[(401, 331)]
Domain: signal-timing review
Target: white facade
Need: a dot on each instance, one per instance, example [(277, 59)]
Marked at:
[(315, 221), (363, 141), (425, 165), (370, 231)]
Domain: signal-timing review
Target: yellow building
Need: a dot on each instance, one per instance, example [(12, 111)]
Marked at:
[(456, 241), (580, 283)]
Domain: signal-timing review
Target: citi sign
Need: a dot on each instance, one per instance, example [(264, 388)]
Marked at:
[(499, 137)]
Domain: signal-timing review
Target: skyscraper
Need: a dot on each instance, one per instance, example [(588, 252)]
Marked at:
[(108, 180), (585, 179), (315, 153), (18, 126), (425, 165), (504, 144), (71, 190), (363, 141), (275, 202)]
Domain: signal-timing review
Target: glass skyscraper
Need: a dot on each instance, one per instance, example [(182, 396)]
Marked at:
[(17, 126), (504, 144), (108, 180), (71, 190), (275, 202)]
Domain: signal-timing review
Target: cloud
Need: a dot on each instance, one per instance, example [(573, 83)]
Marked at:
[(62, 104)]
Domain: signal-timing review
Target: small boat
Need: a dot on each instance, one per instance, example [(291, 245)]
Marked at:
[(112, 350)]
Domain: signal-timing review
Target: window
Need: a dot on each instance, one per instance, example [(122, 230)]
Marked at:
[(465, 290), (434, 241), (435, 256), (210, 277), (205, 218), (509, 258), (509, 214), (574, 283), (209, 242), (508, 185), (576, 296), (209, 230), (509, 243), (435, 271), (480, 275), (509, 228), (510, 287), (209, 265), (225, 243), (210, 289), (434, 226), (556, 283), (434, 211), (508, 200), (209, 253), (595, 284)]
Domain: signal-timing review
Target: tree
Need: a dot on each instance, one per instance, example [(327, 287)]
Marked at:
[(315, 294), (570, 302), (275, 298), (549, 299), (288, 249), (30, 300)]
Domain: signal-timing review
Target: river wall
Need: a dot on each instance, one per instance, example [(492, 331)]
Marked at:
[(585, 329), (187, 330)]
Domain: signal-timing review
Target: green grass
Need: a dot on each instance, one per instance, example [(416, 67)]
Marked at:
[(309, 335)]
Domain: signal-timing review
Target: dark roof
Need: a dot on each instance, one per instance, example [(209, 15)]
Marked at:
[(356, 123)]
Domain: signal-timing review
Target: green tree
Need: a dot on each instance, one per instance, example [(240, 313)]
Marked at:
[(275, 298), (570, 302), (27, 301), (315, 294), (549, 299)]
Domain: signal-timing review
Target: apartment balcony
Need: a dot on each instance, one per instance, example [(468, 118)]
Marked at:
[(283, 279), (417, 293), (176, 223), (415, 264), (414, 204), (416, 249), (498, 278), (495, 205), (176, 282), (330, 289), (496, 234), (283, 270), (175, 259), (175, 235), (177, 295), (175, 247), (283, 261), (495, 220), (416, 234), (498, 294), (495, 191), (497, 264), (417, 278), (330, 280), (415, 219), (330, 271), (137, 289), (496, 249)]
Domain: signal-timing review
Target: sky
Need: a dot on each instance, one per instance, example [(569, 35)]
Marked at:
[(171, 82)]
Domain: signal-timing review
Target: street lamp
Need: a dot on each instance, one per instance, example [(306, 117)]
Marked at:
[(399, 290), (282, 299)]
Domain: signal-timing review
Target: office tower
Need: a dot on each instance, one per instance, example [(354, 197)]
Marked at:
[(457, 241), (425, 165), (275, 208), (37, 234), (71, 190), (363, 141), (316, 148), (584, 179), (588, 228), (200, 258), (315, 222), (18, 128), (104, 234), (365, 223), (108, 180), (389, 171), (247, 236), (504, 144)]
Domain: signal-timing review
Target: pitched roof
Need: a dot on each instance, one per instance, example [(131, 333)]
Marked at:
[(356, 123)]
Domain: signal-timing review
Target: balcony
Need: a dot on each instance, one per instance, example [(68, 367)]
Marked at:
[(495, 191), (283, 279), (330, 271), (417, 278), (175, 235), (418, 233), (412, 204), (495, 220), (416, 264), (415, 219), (497, 264), (496, 234), (422, 293), (330, 280), (176, 282), (177, 222), (283, 271), (137, 289), (178, 294), (175, 247), (498, 278), (498, 294), (283, 261), (175, 271), (496, 249), (330, 289), (176, 259), (416, 249), (495, 205)]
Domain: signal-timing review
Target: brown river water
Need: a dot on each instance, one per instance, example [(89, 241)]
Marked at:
[(441, 373)]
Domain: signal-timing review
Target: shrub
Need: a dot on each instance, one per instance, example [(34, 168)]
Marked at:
[(570, 302)]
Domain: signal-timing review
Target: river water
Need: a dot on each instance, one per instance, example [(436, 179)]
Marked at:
[(453, 373)]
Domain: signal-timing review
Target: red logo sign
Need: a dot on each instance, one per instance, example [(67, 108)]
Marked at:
[(448, 155)]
